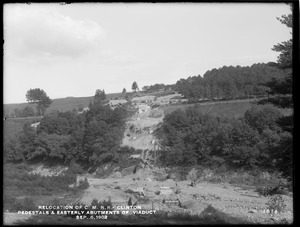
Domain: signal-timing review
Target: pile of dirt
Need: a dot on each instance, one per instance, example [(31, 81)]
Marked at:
[(47, 171), (156, 113)]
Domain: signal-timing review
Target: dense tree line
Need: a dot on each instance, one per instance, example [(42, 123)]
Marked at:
[(89, 138), (229, 82), (193, 138)]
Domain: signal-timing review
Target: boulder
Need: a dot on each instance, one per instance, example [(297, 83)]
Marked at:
[(128, 170), (170, 183), (116, 175), (253, 211), (166, 191), (188, 204)]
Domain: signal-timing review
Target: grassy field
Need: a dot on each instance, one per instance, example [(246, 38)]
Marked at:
[(231, 109), (235, 110), (12, 126)]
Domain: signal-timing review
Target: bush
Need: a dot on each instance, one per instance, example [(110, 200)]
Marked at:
[(215, 179), (242, 179), (276, 202), (22, 204), (83, 184), (17, 182), (104, 203), (55, 202), (75, 168)]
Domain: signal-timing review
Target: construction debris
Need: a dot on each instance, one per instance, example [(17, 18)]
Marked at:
[(165, 191)]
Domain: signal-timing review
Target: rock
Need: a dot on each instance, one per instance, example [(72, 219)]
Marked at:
[(274, 219), (253, 211), (128, 170), (284, 221), (170, 183), (187, 204), (116, 175), (166, 191)]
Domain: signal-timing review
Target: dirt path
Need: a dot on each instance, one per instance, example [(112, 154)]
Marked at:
[(138, 132)]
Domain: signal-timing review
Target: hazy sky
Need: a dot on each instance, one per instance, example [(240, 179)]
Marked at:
[(73, 50)]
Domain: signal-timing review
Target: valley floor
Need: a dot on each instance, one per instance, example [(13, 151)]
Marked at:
[(242, 203)]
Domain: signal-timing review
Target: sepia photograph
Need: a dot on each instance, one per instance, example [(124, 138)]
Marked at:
[(148, 113)]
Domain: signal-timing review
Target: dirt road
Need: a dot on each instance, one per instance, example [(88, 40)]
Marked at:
[(139, 128)]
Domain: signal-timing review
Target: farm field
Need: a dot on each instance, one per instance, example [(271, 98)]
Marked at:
[(226, 109), (231, 109)]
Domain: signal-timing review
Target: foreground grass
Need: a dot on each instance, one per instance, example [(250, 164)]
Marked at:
[(22, 190)]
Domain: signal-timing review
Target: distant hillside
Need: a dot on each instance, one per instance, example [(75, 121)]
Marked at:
[(63, 104)]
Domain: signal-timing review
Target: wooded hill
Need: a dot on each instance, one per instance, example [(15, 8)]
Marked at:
[(230, 82)]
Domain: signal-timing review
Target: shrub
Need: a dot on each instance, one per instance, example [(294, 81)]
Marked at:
[(241, 179), (104, 203), (83, 184), (192, 175), (22, 204), (75, 168), (209, 210), (8, 201), (215, 179), (55, 202), (276, 202)]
